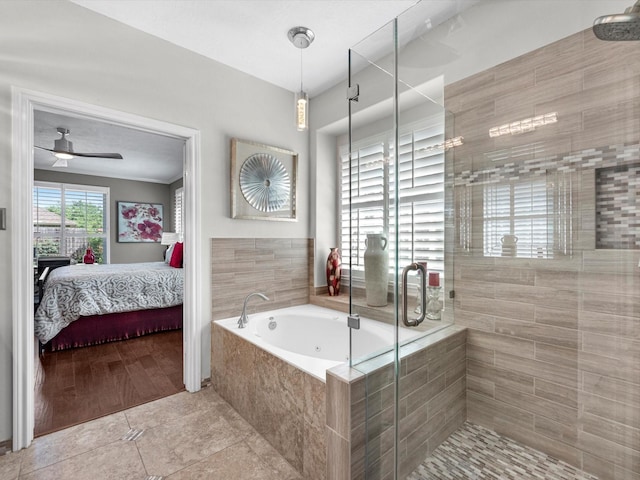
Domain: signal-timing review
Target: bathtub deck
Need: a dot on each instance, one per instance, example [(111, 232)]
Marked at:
[(473, 452)]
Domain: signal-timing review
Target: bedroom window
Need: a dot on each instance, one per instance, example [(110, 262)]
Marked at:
[(421, 195), (178, 220), (69, 218)]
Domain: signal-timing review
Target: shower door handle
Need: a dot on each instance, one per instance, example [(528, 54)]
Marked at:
[(405, 274)]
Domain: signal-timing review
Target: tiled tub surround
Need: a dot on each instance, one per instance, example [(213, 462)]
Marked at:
[(274, 397), (553, 343), (281, 268), (360, 407), (283, 397), (283, 403)]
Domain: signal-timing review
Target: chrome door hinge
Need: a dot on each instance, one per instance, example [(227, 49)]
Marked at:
[(353, 92), (353, 321)]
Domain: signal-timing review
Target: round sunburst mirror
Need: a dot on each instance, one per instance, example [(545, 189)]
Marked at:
[(264, 182)]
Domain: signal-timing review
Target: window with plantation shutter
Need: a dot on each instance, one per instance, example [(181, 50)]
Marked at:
[(371, 185), (69, 218), (523, 210), (177, 210)]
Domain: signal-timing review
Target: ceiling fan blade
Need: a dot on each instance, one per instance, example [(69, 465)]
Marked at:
[(115, 156), (42, 148)]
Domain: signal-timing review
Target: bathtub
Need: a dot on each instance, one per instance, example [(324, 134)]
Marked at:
[(275, 378), (312, 338)]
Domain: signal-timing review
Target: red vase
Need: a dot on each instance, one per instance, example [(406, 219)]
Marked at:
[(89, 258), (334, 271)]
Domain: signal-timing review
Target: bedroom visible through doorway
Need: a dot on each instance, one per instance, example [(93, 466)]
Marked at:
[(25, 105), (76, 209)]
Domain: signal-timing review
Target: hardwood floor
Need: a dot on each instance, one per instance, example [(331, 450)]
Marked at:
[(77, 385)]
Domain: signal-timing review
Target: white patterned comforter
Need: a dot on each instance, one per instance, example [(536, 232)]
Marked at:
[(82, 290)]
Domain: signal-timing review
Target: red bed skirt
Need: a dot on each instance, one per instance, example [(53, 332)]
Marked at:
[(98, 329)]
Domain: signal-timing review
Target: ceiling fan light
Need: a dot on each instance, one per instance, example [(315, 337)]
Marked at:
[(63, 156), (61, 162)]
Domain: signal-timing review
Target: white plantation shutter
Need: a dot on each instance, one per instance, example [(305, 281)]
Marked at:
[(367, 188), (68, 218), (521, 209), (178, 218), (47, 225), (421, 197)]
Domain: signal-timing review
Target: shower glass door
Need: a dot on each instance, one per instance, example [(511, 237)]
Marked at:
[(393, 233)]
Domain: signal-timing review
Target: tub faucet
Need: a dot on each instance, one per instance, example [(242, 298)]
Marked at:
[(244, 319)]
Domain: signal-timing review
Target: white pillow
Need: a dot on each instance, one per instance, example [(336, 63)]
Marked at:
[(168, 253)]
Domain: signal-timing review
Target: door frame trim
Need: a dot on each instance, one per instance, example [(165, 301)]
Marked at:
[(24, 102)]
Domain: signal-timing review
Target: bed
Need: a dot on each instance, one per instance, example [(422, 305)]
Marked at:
[(91, 304)]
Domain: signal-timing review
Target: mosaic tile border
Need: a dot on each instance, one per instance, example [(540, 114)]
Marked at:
[(601, 157)]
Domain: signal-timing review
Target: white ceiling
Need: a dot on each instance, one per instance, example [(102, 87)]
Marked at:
[(251, 35), (248, 35), (146, 156)]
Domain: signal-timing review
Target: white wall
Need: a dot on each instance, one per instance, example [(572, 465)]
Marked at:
[(66, 50)]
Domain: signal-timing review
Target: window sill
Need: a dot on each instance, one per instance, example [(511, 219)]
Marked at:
[(341, 303)]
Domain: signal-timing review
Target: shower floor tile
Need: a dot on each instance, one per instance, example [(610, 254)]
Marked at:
[(476, 453)]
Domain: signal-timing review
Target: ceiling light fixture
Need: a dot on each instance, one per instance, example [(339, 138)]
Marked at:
[(301, 37), (61, 162), (63, 150)]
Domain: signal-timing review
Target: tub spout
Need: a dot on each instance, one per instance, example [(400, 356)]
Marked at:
[(244, 319)]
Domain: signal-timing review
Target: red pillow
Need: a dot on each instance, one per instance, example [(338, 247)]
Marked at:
[(176, 256)]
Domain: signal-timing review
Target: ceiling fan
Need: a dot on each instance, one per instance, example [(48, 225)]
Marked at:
[(63, 150)]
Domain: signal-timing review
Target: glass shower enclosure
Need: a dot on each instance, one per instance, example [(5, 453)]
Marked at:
[(503, 154), (394, 227)]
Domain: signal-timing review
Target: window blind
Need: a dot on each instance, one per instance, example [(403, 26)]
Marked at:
[(522, 209), (371, 184), (178, 220), (69, 218)]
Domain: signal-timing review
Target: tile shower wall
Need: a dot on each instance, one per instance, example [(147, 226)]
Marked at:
[(360, 407), (617, 207), (553, 343)]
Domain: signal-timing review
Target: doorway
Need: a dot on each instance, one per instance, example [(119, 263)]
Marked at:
[(75, 207), (24, 104)]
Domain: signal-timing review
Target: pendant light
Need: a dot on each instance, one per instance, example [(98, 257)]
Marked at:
[(301, 37)]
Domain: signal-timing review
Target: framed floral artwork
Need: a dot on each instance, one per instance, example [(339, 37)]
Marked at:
[(139, 222)]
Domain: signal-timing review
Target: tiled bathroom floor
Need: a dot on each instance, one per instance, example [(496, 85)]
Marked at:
[(184, 436), (475, 453), (199, 436)]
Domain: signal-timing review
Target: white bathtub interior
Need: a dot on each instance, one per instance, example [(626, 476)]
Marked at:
[(315, 339)]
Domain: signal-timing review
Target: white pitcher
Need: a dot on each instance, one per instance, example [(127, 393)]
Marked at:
[(509, 245), (376, 269)]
